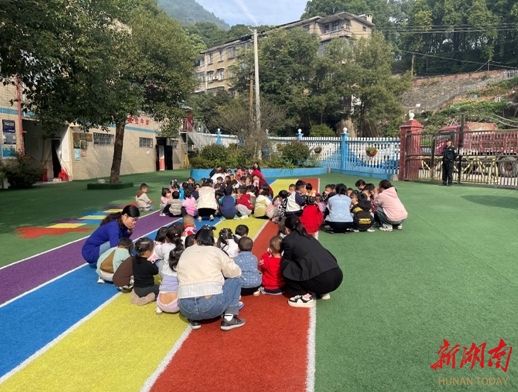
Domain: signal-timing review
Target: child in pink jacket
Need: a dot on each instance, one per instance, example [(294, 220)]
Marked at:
[(189, 204)]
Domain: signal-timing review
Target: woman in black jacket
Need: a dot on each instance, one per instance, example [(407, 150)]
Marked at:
[(308, 268)]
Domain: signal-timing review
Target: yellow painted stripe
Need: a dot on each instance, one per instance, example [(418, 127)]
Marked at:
[(283, 184), (66, 226), (113, 210), (115, 350), (254, 225), (93, 217)]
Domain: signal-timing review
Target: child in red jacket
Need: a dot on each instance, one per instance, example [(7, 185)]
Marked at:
[(243, 203), (270, 266), (311, 217)]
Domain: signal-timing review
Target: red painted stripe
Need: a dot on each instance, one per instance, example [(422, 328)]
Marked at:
[(269, 353)]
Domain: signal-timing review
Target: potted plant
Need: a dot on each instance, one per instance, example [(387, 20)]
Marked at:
[(371, 151), (318, 150)]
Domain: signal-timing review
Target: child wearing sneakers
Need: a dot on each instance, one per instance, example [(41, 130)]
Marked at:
[(142, 199), (270, 266), (250, 276)]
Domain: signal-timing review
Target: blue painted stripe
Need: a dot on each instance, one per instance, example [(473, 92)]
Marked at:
[(31, 322), (89, 221), (36, 319)]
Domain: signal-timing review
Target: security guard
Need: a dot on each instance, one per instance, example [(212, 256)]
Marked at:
[(448, 157)]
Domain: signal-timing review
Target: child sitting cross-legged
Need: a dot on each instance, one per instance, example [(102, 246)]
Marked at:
[(243, 204), (262, 202), (227, 204), (174, 207), (270, 266), (250, 276), (110, 260), (142, 199)]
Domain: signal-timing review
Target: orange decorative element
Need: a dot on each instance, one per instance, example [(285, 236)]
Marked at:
[(36, 232)]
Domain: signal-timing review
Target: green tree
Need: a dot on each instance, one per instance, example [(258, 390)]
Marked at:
[(144, 64), (366, 76), (209, 32), (287, 64)]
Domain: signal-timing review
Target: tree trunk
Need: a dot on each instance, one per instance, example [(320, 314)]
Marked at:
[(117, 153)]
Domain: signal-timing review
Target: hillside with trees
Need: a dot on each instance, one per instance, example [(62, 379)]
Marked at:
[(439, 36), (189, 12)]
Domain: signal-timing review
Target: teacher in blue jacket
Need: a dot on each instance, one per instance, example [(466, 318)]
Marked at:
[(112, 228)]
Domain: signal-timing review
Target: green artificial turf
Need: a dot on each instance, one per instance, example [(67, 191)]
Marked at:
[(450, 274), (41, 205)]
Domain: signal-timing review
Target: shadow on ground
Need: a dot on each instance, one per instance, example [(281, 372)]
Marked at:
[(493, 201)]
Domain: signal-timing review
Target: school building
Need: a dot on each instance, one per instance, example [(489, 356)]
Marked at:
[(84, 155)]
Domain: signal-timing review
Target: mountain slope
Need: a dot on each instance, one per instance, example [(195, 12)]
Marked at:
[(190, 12)]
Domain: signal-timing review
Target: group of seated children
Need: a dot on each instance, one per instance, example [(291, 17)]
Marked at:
[(135, 274), (244, 194)]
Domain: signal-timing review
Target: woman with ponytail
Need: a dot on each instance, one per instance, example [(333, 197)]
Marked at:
[(112, 228), (307, 267)]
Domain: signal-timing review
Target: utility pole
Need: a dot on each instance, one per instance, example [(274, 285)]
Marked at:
[(257, 92), (412, 68), (488, 61), (251, 101)]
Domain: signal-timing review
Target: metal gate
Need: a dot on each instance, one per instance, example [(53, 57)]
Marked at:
[(483, 157)]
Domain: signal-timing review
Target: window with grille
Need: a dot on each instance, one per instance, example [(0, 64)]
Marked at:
[(145, 142), (103, 139), (335, 26)]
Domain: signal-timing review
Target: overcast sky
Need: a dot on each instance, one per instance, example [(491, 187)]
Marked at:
[(252, 12)]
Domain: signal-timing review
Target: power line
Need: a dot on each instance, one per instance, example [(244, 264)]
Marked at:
[(452, 59)]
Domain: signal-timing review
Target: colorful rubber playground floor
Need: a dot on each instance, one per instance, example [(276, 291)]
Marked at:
[(450, 274)]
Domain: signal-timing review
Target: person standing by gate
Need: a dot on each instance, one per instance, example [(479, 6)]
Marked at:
[(448, 157)]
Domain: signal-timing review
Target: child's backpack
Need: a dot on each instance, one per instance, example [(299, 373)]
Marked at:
[(363, 220)]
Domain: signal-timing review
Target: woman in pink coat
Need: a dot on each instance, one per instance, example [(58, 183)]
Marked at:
[(390, 210)]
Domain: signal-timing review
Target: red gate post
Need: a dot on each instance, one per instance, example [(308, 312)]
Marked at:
[(412, 148)]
